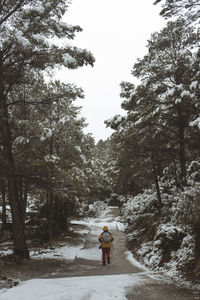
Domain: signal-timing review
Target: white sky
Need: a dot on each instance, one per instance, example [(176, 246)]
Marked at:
[(116, 32)]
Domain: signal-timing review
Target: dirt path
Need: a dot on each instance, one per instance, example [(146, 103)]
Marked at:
[(151, 290), (147, 289), (88, 267)]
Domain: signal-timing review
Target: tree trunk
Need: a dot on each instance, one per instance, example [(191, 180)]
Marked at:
[(182, 147), (155, 175), (23, 192), (175, 176), (50, 196), (3, 193), (50, 214), (157, 187), (20, 247)]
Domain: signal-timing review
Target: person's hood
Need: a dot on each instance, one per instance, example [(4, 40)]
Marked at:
[(105, 228)]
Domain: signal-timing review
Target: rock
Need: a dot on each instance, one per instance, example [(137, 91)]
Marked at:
[(3, 278), (8, 283)]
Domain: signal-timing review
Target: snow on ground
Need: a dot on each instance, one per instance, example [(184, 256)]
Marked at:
[(97, 222), (94, 227), (6, 252), (134, 262), (66, 252), (77, 288), (121, 226), (105, 287)]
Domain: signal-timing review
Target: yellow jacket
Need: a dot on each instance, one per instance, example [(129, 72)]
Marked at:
[(104, 244)]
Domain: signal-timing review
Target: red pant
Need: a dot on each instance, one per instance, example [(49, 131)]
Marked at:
[(105, 253)]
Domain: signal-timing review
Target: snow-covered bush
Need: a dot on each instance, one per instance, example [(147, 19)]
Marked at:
[(188, 212), (116, 200), (171, 250), (95, 209), (169, 182), (187, 209), (139, 205), (194, 172), (149, 255), (168, 237), (168, 241)]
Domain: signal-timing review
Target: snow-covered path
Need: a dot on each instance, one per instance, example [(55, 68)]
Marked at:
[(87, 278), (88, 261)]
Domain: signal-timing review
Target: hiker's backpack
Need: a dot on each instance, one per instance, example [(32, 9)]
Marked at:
[(106, 237)]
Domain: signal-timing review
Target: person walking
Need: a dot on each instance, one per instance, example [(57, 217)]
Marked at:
[(105, 238)]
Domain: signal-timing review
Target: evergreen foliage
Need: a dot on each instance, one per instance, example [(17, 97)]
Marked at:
[(156, 132), (39, 124), (187, 9)]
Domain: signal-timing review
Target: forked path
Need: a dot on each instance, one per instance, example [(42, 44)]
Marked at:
[(88, 263)]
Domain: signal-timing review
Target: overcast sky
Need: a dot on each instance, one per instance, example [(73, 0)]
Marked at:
[(116, 32)]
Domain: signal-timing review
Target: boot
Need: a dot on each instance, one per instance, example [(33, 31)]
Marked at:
[(108, 260)]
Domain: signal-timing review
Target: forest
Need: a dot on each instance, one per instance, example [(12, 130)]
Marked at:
[(51, 171)]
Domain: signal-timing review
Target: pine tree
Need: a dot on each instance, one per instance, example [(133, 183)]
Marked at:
[(186, 9), (29, 34), (168, 70)]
